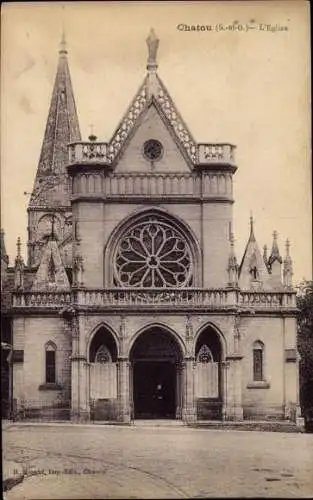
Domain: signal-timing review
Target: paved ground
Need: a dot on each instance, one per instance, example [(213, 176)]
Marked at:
[(93, 462)]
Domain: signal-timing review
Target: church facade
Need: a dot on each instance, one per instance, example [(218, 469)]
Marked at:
[(132, 303)]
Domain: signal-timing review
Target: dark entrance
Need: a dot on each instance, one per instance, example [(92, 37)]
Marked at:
[(156, 386), (154, 383)]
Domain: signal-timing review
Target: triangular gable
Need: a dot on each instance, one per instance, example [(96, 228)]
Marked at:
[(51, 274), (152, 88), (152, 124), (252, 267)]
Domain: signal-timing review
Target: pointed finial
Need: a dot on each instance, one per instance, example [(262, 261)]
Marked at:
[(275, 235), (265, 253), (63, 44), (232, 239), (18, 246), (287, 248), (252, 237), (153, 44)]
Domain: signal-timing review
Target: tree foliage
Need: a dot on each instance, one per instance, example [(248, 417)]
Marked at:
[(305, 342)]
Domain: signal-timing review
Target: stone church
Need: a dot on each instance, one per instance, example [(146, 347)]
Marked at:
[(132, 303)]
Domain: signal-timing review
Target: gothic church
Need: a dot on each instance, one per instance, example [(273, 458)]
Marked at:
[(132, 303)]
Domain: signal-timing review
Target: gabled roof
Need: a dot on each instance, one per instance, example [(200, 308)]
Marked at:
[(252, 261), (62, 127), (51, 274), (153, 91)]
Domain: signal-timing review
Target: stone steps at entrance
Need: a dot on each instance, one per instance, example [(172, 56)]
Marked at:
[(154, 422)]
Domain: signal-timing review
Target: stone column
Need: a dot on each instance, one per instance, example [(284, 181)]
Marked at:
[(189, 410), (179, 396), (232, 408), (79, 387), (123, 390)]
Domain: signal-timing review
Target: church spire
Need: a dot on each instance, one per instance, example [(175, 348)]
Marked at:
[(51, 183)]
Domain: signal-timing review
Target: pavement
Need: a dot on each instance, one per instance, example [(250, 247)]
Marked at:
[(152, 460)]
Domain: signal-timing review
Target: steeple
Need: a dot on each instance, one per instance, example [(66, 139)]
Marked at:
[(51, 183)]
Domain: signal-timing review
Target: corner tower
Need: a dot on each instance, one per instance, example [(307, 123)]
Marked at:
[(51, 193)]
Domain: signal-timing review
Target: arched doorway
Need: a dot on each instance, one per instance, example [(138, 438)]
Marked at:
[(209, 375), (103, 375), (156, 359)]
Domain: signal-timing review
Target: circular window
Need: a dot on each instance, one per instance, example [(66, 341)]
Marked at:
[(152, 150), (153, 253)]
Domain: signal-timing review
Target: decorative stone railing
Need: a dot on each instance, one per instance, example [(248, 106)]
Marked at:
[(41, 299), (88, 152), (101, 152), (216, 153), (266, 299), (152, 184), (151, 298)]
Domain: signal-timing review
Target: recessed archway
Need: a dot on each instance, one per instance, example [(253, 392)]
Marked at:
[(208, 374), (156, 358), (102, 356)]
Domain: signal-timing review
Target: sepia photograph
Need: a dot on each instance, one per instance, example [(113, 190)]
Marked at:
[(156, 250)]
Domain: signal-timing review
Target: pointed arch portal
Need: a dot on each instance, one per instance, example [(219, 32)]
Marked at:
[(156, 359)]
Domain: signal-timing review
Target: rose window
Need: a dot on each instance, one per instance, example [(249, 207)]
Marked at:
[(153, 254)]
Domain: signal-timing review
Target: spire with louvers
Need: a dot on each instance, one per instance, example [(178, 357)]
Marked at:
[(51, 183)]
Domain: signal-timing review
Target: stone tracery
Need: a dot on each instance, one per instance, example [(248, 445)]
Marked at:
[(153, 253)]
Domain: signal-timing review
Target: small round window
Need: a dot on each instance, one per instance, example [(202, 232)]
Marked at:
[(152, 150)]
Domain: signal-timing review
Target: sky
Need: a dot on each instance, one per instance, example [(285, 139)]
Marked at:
[(250, 88)]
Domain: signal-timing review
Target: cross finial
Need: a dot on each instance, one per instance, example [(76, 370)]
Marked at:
[(153, 44), (92, 136), (63, 44), (251, 226)]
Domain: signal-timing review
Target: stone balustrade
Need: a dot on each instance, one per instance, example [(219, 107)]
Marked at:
[(88, 152), (100, 152), (216, 154), (157, 298), (41, 299)]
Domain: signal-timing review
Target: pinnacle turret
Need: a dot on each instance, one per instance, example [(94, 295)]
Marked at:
[(287, 269), (275, 255)]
